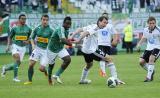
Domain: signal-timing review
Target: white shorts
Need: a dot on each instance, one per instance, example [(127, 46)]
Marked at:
[(18, 50), (41, 55), (52, 56)]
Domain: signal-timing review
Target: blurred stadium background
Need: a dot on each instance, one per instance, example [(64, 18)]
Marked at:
[(83, 12)]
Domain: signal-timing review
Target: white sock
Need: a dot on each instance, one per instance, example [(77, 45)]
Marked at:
[(84, 74), (102, 66), (112, 69), (150, 70), (146, 66)]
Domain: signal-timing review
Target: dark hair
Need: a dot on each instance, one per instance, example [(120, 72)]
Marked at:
[(45, 16), (151, 18), (101, 19), (67, 18), (21, 16)]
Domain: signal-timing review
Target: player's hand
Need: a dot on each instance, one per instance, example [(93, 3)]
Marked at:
[(71, 40), (8, 48), (76, 41)]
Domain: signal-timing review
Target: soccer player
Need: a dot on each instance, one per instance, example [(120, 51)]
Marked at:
[(56, 48), (40, 36), (89, 47), (20, 38), (105, 36), (151, 34)]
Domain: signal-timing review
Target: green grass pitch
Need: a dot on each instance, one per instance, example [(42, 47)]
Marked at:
[(127, 67)]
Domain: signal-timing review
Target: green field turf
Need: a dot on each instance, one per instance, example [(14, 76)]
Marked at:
[(128, 71)]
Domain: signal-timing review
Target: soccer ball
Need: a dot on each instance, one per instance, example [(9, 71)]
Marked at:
[(112, 82)]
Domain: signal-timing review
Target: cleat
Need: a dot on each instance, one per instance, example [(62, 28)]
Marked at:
[(28, 83), (147, 80), (86, 81), (16, 80), (3, 72), (57, 78), (120, 82), (102, 74)]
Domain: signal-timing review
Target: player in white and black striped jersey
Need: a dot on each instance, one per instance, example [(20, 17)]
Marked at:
[(151, 34), (90, 45)]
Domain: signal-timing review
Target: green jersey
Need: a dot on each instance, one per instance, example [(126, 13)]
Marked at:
[(42, 35), (55, 44), (19, 34)]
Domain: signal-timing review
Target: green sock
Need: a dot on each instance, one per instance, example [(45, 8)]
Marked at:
[(50, 68), (9, 67), (30, 73), (59, 72), (15, 70)]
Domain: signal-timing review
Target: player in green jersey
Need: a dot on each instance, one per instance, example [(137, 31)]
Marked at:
[(19, 36), (40, 36), (56, 48)]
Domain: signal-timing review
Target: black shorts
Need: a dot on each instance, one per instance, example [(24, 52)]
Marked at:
[(104, 50), (147, 53), (93, 56)]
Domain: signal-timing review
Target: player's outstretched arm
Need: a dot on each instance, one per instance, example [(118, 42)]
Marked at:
[(83, 34), (79, 30), (115, 39), (143, 39)]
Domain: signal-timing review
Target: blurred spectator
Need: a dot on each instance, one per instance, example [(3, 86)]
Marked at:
[(92, 3), (5, 5), (59, 6), (128, 37), (34, 4), (152, 6), (142, 3), (20, 4), (54, 3), (2, 4), (130, 6), (107, 1), (44, 6)]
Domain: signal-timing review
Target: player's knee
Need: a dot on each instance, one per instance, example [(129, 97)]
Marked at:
[(18, 62), (141, 63), (109, 58), (89, 65), (42, 69), (67, 60), (32, 63), (152, 59)]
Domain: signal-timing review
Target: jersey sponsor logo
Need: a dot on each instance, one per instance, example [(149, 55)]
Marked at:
[(151, 41), (104, 33), (22, 38), (42, 40)]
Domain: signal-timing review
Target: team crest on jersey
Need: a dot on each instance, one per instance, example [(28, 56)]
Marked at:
[(104, 33), (151, 41)]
